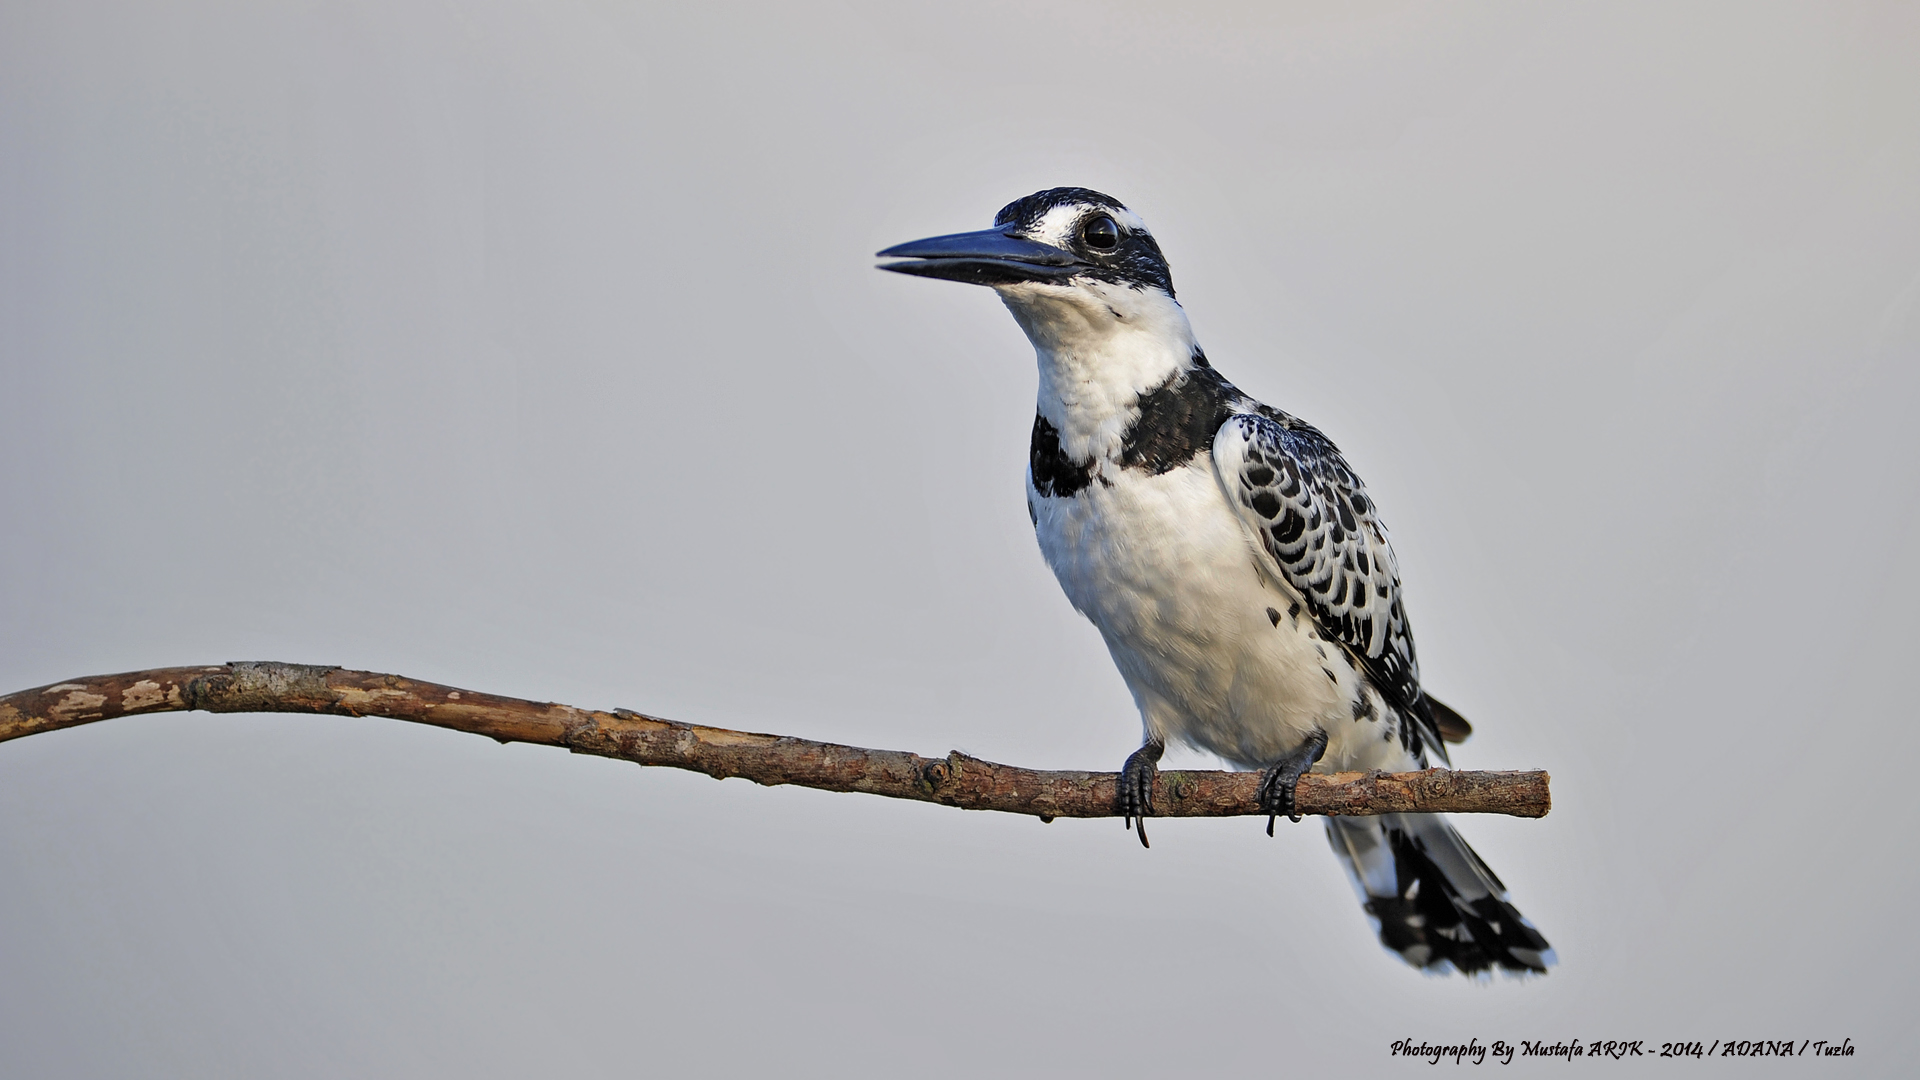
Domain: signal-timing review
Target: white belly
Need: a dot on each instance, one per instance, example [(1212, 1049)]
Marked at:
[(1205, 641)]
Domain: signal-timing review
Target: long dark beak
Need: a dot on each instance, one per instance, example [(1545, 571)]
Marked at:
[(987, 257)]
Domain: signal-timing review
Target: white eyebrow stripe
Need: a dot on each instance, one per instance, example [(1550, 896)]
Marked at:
[(1056, 225)]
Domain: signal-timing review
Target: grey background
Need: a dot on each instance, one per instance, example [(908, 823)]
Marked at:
[(536, 348)]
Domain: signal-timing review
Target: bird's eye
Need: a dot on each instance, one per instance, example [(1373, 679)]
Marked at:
[(1101, 234)]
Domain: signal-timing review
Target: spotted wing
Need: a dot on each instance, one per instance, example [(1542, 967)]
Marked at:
[(1294, 491)]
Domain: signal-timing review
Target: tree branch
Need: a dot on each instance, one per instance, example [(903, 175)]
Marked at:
[(955, 780)]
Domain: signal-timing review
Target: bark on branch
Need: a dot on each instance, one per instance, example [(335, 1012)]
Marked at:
[(955, 780)]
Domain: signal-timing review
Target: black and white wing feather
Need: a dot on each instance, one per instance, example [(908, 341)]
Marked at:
[(1320, 534)]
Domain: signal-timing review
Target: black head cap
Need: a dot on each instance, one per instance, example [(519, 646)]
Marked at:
[(1111, 239)]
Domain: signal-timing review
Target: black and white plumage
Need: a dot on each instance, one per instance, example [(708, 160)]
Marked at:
[(1232, 560)]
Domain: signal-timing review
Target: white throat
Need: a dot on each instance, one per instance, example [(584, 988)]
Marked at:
[(1100, 346)]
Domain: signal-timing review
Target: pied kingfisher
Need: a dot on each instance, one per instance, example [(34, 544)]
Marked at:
[(1234, 563)]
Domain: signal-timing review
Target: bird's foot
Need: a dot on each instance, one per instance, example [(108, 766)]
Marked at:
[(1136, 787), (1276, 788)]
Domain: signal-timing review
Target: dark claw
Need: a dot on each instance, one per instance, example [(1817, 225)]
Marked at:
[(1277, 787), (1135, 793)]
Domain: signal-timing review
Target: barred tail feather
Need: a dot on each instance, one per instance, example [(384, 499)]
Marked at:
[(1431, 898)]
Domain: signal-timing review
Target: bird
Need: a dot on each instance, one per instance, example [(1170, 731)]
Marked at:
[(1232, 560)]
